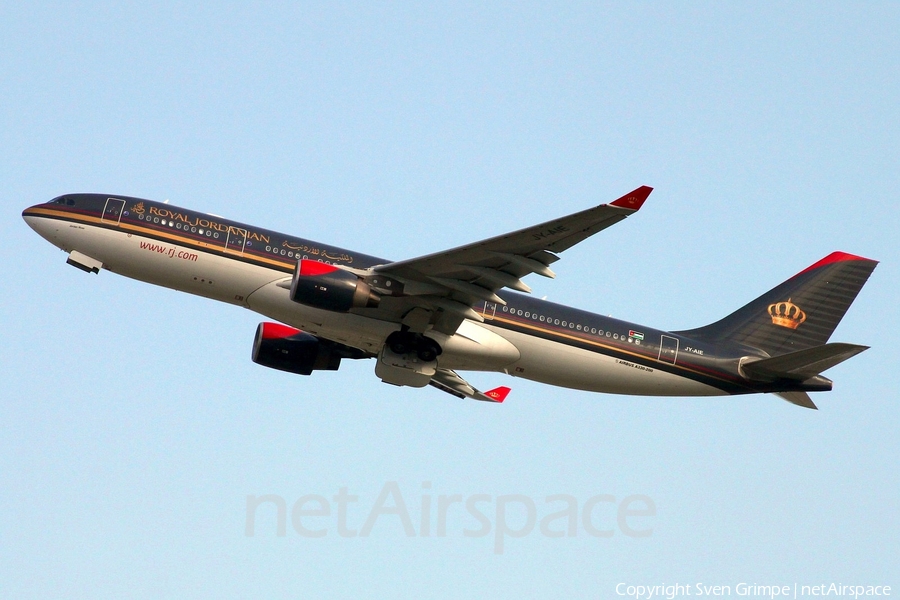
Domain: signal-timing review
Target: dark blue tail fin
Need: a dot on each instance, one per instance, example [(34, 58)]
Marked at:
[(800, 313)]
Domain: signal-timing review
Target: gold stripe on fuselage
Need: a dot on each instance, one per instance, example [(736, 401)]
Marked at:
[(650, 357), (136, 228)]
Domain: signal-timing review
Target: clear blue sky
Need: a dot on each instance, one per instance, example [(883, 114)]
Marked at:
[(134, 425)]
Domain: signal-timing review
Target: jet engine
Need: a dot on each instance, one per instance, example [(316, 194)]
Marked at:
[(287, 349), (328, 287)]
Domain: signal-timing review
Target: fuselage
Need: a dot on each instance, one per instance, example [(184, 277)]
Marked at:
[(248, 266)]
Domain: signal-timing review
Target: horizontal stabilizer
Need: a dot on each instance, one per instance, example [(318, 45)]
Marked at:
[(798, 398), (803, 364)]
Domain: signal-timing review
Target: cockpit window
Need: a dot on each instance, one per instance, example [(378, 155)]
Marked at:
[(63, 200)]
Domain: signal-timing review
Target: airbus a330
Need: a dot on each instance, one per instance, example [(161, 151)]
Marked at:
[(423, 320)]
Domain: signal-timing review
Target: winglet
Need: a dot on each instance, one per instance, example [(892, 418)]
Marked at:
[(633, 200), (498, 394)]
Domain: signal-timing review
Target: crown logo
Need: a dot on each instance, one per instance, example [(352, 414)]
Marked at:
[(786, 314), (138, 208)]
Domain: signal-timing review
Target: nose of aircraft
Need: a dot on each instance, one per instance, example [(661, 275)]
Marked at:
[(30, 213), (37, 218)]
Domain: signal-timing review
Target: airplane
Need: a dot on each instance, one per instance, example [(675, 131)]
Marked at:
[(466, 309)]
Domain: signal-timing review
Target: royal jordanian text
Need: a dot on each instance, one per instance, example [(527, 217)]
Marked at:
[(164, 213)]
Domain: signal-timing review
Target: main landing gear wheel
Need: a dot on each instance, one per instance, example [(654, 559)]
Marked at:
[(428, 350), (404, 342), (400, 345)]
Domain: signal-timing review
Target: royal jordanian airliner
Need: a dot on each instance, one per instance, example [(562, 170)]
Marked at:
[(425, 319)]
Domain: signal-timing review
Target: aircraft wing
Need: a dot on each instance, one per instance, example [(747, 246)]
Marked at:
[(448, 284), (450, 382)]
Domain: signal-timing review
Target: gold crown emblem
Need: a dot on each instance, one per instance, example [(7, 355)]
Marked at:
[(786, 314), (138, 208)]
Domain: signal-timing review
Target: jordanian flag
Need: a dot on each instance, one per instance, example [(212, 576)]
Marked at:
[(635, 334)]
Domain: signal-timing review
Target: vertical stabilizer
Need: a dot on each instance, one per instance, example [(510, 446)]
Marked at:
[(800, 313)]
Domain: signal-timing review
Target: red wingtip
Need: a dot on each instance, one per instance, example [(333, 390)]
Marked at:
[(498, 394), (834, 257), (633, 200)]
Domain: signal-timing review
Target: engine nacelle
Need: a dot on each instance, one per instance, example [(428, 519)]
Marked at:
[(330, 288), (287, 349)]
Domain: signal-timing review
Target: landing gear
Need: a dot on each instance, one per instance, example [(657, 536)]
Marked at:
[(399, 344), (406, 342), (428, 352)]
